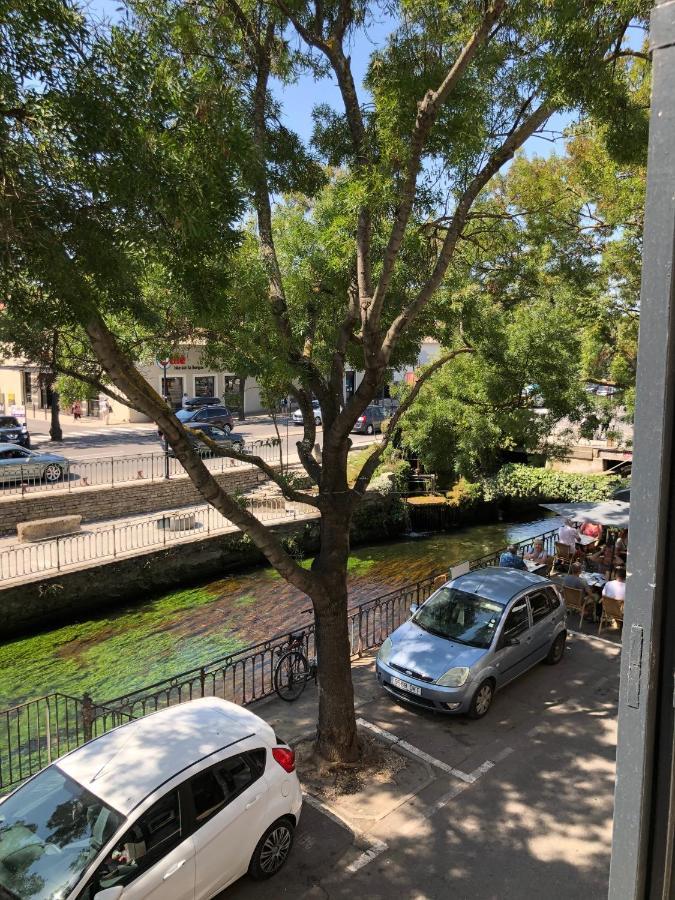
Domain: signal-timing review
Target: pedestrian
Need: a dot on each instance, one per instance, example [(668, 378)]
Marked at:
[(510, 559), (567, 534), (184, 401), (104, 409), (76, 410)]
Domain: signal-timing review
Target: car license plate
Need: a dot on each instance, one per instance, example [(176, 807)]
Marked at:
[(405, 686)]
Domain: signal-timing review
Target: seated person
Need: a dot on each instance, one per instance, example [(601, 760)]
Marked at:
[(573, 579), (621, 544), (603, 560), (616, 589), (510, 559), (537, 554), (591, 530)]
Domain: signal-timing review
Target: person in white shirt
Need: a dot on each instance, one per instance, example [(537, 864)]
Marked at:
[(616, 589), (567, 534)]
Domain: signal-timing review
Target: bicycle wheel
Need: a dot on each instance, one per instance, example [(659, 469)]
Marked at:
[(290, 675)]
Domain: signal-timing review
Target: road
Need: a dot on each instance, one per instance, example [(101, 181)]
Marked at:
[(95, 440)]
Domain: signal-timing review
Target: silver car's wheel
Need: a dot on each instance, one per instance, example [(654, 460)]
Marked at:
[(482, 700), (317, 420), (272, 850), (52, 473), (557, 651)]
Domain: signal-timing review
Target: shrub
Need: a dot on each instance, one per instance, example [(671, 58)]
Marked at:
[(517, 481)]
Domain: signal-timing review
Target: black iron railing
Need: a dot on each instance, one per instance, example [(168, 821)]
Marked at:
[(39, 731)]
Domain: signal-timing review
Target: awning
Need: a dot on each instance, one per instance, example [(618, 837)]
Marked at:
[(614, 513)]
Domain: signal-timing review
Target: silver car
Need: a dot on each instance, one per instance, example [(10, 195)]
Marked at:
[(18, 464), (471, 637), (316, 409)]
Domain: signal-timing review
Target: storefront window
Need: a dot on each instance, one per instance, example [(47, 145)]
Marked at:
[(173, 389), (27, 387), (205, 386)]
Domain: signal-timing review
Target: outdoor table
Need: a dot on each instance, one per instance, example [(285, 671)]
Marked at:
[(586, 539), (594, 579), (535, 567)]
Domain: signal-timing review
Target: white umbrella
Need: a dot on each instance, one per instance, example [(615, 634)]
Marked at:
[(613, 513)]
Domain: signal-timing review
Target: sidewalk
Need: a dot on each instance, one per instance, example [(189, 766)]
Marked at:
[(515, 806)]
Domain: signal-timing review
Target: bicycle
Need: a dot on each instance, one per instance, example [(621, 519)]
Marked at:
[(294, 669)]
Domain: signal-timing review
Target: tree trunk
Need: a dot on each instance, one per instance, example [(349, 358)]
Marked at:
[(242, 398), (336, 729), (55, 431)]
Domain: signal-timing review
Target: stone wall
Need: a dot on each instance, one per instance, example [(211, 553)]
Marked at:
[(124, 499)]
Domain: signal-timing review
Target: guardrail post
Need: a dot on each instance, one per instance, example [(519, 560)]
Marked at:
[(114, 548), (112, 470), (58, 559), (202, 680), (87, 717), (48, 731)]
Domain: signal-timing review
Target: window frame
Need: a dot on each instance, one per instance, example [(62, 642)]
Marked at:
[(254, 768), (539, 592), (185, 821), (504, 637)]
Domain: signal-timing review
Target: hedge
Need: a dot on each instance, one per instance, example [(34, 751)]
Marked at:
[(520, 482)]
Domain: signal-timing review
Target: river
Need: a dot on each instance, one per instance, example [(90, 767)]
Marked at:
[(144, 642)]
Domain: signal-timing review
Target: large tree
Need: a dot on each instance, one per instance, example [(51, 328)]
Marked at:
[(129, 167)]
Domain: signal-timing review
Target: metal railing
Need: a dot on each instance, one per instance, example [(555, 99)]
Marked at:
[(101, 471), (36, 732), (107, 542)]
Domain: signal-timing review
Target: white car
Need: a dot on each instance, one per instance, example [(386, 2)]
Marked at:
[(174, 806), (298, 417)]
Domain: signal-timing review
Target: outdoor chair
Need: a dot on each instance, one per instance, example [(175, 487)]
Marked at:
[(577, 600), (563, 558), (611, 609)]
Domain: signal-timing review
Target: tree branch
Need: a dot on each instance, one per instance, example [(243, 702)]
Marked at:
[(129, 380), (282, 483), (507, 150), (369, 466), (427, 111)]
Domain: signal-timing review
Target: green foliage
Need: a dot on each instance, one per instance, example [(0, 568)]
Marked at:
[(520, 482), (72, 389)]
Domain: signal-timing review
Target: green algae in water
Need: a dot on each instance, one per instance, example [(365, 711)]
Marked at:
[(139, 644), (116, 654)]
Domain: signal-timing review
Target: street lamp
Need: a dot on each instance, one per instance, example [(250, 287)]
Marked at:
[(163, 365)]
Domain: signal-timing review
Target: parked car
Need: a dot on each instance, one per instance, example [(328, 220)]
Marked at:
[(207, 415), (371, 420), (173, 806), (18, 464), (298, 417), (229, 439), (196, 402), (602, 390), (14, 432), (471, 637)]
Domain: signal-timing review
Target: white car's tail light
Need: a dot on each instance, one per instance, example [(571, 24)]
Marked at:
[(285, 757)]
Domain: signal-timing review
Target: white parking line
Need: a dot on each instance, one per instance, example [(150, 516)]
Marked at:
[(466, 777)]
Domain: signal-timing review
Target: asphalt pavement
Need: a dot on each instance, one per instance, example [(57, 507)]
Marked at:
[(89, 438), (517, 805)]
